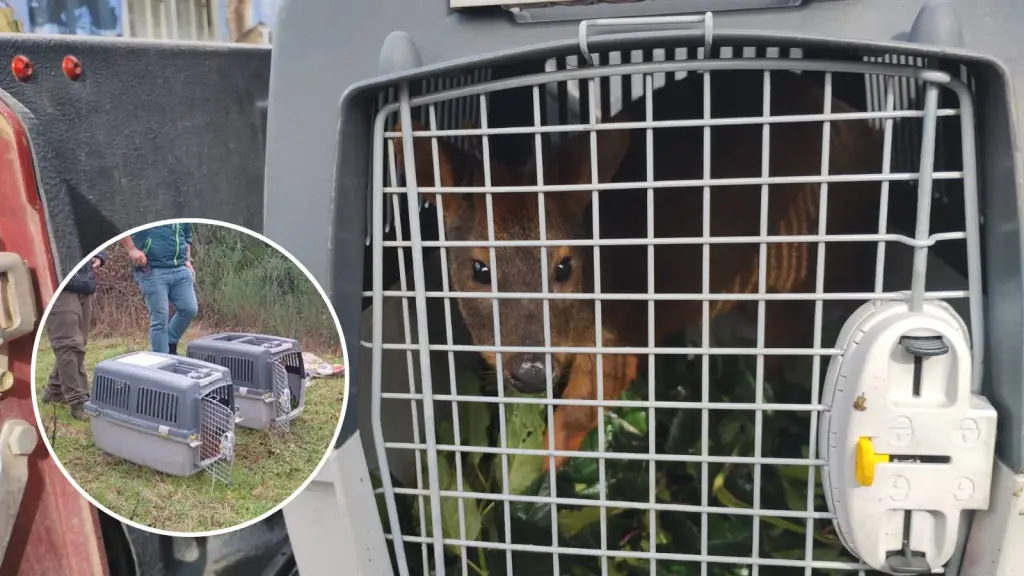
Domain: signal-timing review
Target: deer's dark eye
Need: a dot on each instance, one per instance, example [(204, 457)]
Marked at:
[(563, 270), (481, 273)]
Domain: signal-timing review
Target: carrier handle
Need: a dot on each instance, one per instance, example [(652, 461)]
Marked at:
[(705, 18)]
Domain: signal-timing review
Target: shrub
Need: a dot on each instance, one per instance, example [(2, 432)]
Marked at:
[(242, 284)]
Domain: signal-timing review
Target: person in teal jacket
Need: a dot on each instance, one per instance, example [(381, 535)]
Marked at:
[(161, 258)]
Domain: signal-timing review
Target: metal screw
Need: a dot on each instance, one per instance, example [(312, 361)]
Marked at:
[(23, 439)]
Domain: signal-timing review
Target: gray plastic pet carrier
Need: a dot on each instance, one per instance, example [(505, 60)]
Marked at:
[(169, 413), (268, 372), (822, 205)]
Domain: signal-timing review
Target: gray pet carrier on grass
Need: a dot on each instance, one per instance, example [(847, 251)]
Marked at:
[(268, 372), (172, 414)]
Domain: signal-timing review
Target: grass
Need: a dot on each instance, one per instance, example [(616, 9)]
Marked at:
[(268, 466)]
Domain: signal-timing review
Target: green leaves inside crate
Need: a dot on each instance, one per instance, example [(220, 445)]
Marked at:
[(628, 430), (525, 425)]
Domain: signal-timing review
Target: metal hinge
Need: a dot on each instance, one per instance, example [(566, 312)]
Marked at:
[(18, 313)]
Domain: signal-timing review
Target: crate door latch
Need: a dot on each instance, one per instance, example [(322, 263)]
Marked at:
[(908, 447)]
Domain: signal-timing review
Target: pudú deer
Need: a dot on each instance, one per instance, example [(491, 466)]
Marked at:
[(795, 150)]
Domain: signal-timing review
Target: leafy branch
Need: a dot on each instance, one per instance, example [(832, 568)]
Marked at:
[(729, 486)]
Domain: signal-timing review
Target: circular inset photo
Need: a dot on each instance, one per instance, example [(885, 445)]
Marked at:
[(189, 377)]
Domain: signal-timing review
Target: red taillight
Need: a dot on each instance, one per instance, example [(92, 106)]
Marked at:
[(22, 68), (72, 67)]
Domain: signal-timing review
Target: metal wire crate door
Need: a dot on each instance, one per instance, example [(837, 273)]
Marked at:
[(217, 435), (282, 396), (429, 490)]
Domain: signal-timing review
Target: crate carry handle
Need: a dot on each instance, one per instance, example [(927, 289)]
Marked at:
[(705, 19)]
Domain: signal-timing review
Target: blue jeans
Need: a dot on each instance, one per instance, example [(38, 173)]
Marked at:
[(160, 286)]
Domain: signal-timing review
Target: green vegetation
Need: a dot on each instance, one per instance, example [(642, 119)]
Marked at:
[(729, 486), (242, 284)]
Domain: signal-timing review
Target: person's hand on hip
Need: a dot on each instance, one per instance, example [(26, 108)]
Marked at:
[(137, 257), (188, 264)]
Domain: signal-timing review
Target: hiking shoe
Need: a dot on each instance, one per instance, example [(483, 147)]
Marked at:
[(51, 397), (78, 412), (173, 348)]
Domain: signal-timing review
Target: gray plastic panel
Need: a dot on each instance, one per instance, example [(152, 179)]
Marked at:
[(151, 130), (256, 413), (167, 455)]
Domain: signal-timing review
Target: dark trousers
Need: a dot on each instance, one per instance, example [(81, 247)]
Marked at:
[(67, 327)]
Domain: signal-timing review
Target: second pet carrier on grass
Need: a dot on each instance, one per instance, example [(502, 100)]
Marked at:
[(268, 372), (169, 413)]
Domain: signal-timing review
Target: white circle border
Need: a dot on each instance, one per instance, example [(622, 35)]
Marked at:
[(40, 329)]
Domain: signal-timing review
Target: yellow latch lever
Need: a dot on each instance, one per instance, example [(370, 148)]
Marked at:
[(867, 458)]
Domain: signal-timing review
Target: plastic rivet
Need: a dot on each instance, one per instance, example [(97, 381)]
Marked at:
[(72, 67), (22, 67)]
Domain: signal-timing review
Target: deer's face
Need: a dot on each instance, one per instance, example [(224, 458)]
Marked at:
[(521, 271)]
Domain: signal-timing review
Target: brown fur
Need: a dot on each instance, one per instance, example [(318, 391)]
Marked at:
[(736, 152)]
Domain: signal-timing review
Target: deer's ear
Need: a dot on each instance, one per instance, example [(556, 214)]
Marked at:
[(574, 159), (448, 156), (423, 155)]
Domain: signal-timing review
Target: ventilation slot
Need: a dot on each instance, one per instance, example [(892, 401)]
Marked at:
[(111, 392), (203, 356), (241, 368), (157, 404)]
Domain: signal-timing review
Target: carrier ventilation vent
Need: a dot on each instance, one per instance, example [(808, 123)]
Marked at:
[(157, 404), (241, 368), (111, 392), (204, 356)]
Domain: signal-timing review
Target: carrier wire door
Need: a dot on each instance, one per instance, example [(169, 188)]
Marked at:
[(217, 434), (445, 530), (289, 381)]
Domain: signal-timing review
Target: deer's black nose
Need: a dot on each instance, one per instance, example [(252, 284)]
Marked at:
[(528, 373)]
